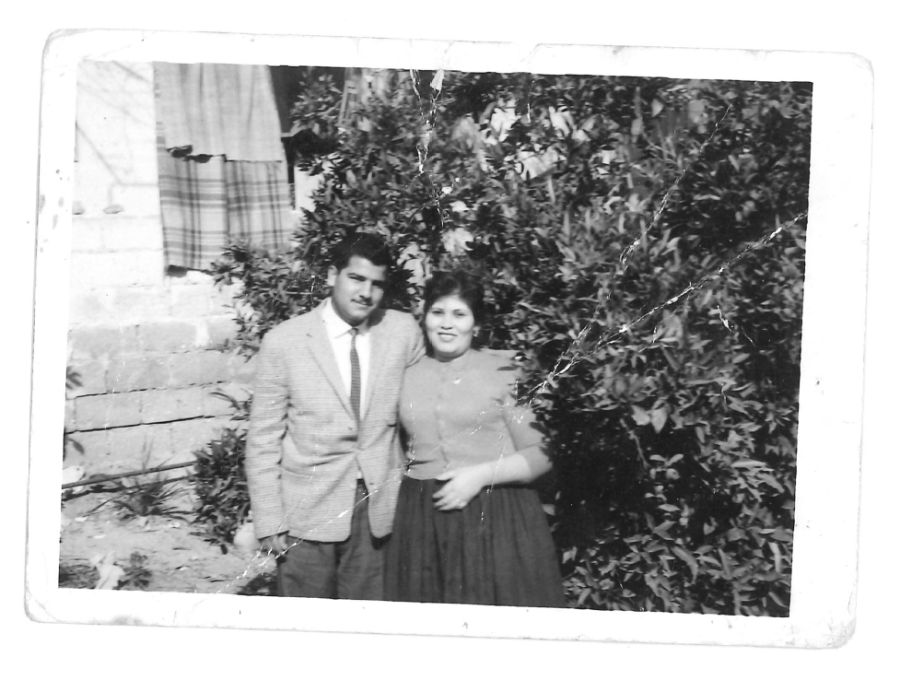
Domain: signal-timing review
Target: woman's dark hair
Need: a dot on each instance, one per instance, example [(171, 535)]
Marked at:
[(461, 283), (362, 244)]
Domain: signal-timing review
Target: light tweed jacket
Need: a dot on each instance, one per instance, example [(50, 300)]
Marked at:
[(303, 446)]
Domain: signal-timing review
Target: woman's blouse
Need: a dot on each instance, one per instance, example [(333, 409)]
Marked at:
[(463, 412)]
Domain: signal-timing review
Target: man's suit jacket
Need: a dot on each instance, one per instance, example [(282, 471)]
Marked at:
[(303, 448)]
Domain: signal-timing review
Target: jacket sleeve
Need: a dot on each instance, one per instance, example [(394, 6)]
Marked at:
[(416, 344), (268, 417)]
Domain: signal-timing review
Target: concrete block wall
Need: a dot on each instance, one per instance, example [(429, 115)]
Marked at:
[(148, 345)]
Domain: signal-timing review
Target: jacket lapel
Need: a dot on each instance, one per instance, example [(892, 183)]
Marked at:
[(378, 346), (320, 348)]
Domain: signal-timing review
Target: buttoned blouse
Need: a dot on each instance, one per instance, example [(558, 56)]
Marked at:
[(463, 412), (339, 335)]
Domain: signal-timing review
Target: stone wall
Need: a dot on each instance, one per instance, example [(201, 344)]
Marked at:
[(146, 345)]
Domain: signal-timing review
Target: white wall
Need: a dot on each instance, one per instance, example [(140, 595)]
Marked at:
[(147, 345)]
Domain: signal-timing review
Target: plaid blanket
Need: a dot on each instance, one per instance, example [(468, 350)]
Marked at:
[(208, 202)]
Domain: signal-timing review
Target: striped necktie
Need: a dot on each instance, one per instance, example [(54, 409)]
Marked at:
[(355, 380)]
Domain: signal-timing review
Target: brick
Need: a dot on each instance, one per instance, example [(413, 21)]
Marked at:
[(158, 406), (191, 401), (128, 447), (221, 330), (91, 307), (72, 454), (243, 370), (191, 435), (222, 299), (141, 303), (87, 234), (95, 445), (70, 424), (190, 301), (218, 406), (142, 446), (90, 271), (197, 368), (188, 277), (173, 404), (167, 336), (93, 342), (159, 437), (91, 376), (107, 410), (132, 373), (132, 233), (140, 199), (135, 267)]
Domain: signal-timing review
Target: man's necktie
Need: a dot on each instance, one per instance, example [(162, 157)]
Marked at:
[(355, 380)]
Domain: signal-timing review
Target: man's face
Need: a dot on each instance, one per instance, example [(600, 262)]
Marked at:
[(357, 289)]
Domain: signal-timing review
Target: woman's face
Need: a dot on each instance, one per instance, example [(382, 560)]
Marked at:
[(450, 327)]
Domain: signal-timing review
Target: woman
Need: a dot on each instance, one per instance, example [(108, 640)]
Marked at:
[(468, 529)]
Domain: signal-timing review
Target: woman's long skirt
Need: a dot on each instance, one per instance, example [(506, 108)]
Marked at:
[(497, 550)]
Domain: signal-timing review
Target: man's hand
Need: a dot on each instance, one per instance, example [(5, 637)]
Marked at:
[(274, 544)]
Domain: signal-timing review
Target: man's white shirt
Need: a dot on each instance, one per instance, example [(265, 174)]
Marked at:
[(338, 332)]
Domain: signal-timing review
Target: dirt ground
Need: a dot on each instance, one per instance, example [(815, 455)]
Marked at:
[(156, 552)]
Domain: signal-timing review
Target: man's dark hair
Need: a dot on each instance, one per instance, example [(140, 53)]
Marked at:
[(362, 244), (461, 283)]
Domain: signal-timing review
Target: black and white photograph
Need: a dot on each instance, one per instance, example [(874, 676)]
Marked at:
[(638, 244), (412, 337)]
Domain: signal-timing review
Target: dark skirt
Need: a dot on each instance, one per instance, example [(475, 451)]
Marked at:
[(497, 550)]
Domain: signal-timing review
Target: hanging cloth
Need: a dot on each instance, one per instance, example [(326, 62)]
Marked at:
[(222, 168), (220, 110)]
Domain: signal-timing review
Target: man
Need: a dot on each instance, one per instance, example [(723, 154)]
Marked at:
[(323, 453)]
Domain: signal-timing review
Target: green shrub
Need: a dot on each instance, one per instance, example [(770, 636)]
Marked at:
[(137, 575), (220, 484), (642, 244)]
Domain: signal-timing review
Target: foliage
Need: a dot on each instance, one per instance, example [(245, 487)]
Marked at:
[(594, 206), (220, 484), (146, 499), (152, 497), (262, 584), (76, 575), (137, 575), (73, 381)]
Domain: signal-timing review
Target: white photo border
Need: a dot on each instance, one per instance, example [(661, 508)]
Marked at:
[(824, 577)]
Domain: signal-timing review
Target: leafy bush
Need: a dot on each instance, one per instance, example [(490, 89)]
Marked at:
[(220, 484), (76, 575), (137, 575), (152, 498), (642, 244)]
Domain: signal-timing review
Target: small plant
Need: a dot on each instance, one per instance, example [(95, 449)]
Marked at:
[(137, 575), (220, 484), (241, 406), (147, 499), (262, 584), (152, 498), (76, 575)]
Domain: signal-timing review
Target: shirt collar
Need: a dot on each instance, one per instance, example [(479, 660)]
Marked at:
[(335, 325)]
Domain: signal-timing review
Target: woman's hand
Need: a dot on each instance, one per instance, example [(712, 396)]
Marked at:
[(461, 486)]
